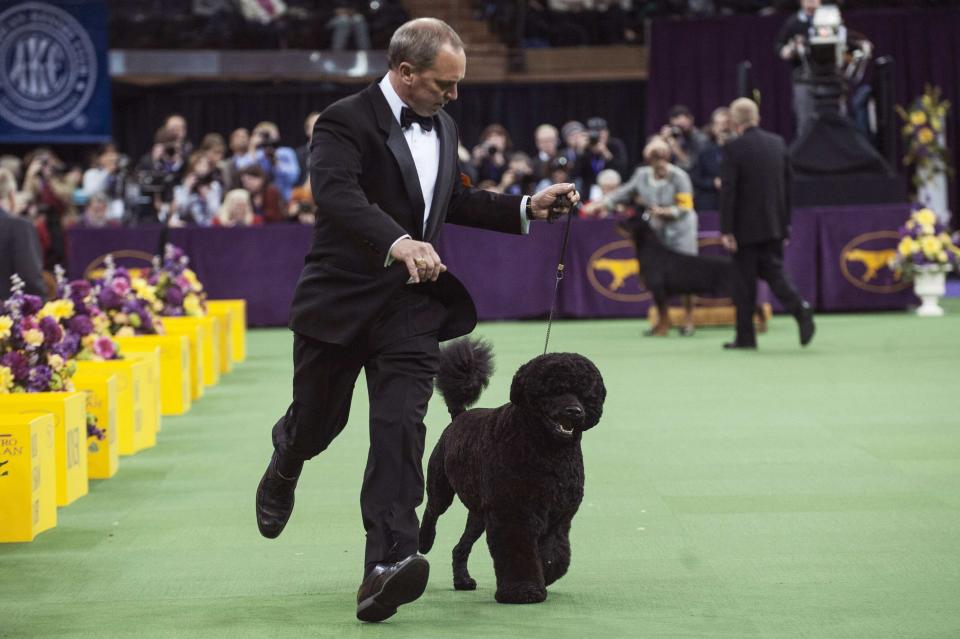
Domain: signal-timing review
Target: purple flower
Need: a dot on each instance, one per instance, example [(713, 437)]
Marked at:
[(109, 299), (68, 347), (174, 296), (105, 348), (120, 286), (17, 364), (80, 289), (39, 379), (80, 324), (52, 333), (31, 305)]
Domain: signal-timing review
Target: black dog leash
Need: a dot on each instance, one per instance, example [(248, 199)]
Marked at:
[(555, 212)]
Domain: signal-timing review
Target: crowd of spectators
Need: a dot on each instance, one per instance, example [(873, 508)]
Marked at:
[(254, 24)]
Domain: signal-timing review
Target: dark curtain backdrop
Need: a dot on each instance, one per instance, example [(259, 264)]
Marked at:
[(694, 62), (222, 107)]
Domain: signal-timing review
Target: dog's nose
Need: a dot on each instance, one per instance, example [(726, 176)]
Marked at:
[(573, 411)]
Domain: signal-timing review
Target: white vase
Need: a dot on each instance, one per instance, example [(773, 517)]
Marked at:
[(929, 284)]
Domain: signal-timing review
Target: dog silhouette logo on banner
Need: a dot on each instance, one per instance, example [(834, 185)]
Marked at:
[(613, 271), (865, 262), (48, 67)]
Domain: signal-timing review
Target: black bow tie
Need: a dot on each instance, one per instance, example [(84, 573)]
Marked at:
[(408, 117)]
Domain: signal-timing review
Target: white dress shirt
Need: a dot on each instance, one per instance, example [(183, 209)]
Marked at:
[(425, 149)]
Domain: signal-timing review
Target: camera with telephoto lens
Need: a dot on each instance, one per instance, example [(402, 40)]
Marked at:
[(157, 183)]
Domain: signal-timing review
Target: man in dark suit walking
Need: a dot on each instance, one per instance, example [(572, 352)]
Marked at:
[(374, 295), (19, 244), (755, 209)]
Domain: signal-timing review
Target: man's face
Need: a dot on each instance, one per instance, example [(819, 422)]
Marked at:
[(178, 126), (721, 124), (810, 6), (239, 141), (547, 142), (685, 122), (427, 91)]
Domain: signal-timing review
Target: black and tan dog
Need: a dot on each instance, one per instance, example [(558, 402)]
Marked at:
[(667, 273), (518, 468)]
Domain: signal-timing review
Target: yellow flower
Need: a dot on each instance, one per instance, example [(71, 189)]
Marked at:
[(927, 229), (143, 289), (57, 309), (925, 216), (126, 331), (191, 278), (908, 246), (5, 324), (87, 342), (918, 118), (101, 324), (925, 135), (942, 257), (191, 305), (56, 362), (33, 337), (121, 318), (931, 246), (6, 380)]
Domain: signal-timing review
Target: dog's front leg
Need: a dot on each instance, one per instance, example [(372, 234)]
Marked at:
[(516, 561)]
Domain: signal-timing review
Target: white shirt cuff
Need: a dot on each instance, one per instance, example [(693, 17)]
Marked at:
[(389, 259), (524, 222)]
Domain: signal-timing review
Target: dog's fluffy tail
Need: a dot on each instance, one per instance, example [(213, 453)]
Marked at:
[(465, 369)]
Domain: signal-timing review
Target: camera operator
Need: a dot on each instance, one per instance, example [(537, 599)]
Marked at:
[(157, 173), (106, 177), (683, 138), (602, 152), (279, 163), (51, 187), (489, 158), (518, 179), (197, 199), (791, 45)]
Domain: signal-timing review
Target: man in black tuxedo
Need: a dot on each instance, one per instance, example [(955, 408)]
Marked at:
[(755, 209), (375, 295)]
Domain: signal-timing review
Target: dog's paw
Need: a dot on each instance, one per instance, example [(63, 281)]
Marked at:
[(522, 593), (427, 536), (465, 583)]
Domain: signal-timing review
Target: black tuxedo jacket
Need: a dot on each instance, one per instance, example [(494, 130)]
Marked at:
[(756, 181), (20, 253), (368, 194)]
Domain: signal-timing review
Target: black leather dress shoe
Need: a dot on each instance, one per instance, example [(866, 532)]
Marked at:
[(388, 586), (274, 500), (735, 346), (805, 322)]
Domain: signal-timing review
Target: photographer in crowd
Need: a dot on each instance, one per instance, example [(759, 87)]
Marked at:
[(157, 173), (706, 171), (279, 163), (107, 177), (197, 199), (51, 189), (602, 152), (489, 158), (683, 137)]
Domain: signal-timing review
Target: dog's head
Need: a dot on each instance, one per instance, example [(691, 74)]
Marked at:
[(562, 393), (636, 228)]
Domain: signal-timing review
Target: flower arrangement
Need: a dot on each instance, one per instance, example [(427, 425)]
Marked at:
[(923, 243), (130, 303), (37, 350), (85, 320), (176, 286), (923, 123)]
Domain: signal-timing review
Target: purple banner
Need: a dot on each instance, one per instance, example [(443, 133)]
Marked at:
[(513, 277), (856, 246)]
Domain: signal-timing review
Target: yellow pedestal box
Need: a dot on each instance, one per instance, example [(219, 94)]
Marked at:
[(150, 395), (175, 391), (103, 401), (222, 317), (238, 325), (28, 477), (131, 376), (209, 343), (69, 412), (190, 327)]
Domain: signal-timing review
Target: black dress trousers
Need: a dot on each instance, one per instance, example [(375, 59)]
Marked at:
[(763, 260)]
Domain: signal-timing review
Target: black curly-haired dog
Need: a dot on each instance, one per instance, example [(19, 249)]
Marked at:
[(518, 468), (667, 273)]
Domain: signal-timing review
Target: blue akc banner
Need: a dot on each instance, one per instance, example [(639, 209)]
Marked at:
[(54, 79)]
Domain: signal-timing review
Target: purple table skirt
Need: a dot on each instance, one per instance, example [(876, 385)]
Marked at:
[(836, 258)]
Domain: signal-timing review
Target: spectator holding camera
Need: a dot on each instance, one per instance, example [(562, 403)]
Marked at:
[(265, 197), (176, 124), (106, 177), (51, 187), (279, 163), (158, 171), (575, 141), (197, 199), (791, 46), (518, 179), (706, 171), (684, 139), (489, 158), (602, 152)]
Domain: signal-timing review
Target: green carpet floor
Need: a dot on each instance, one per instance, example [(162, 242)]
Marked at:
[(782, 493)]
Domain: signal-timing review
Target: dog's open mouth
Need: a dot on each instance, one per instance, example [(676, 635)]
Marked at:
[(560, 429)]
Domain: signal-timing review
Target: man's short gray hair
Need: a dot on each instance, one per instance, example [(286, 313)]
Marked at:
[(418, 42), (744, 111), (8, 185)]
